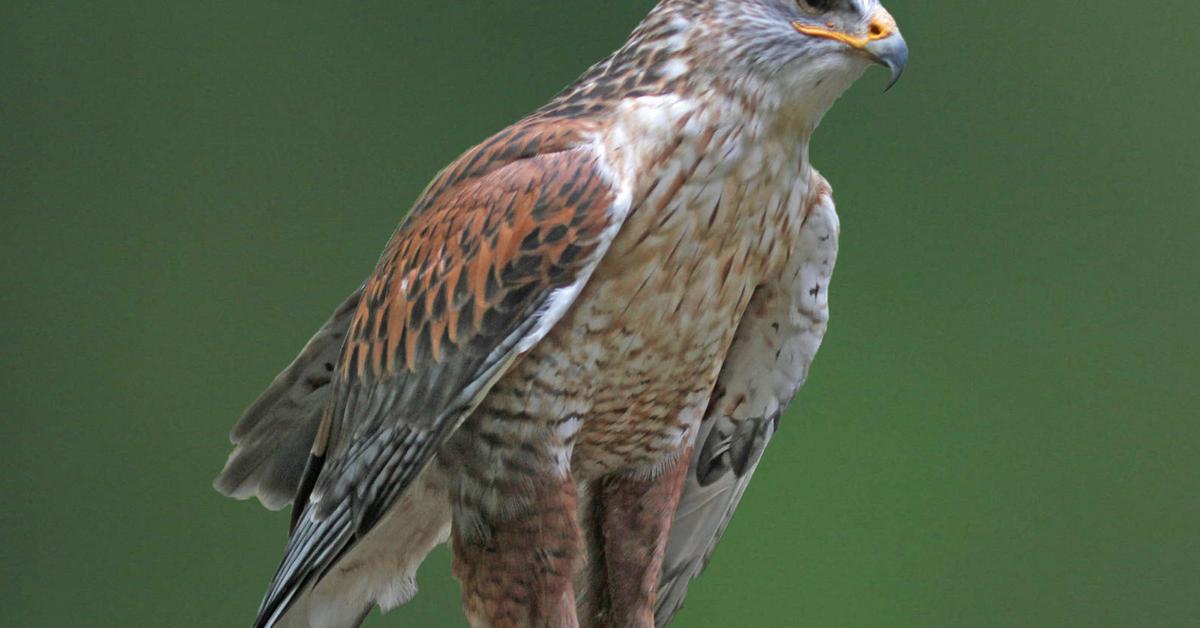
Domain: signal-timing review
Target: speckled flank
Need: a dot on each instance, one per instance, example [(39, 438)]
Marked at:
[(775, 345)]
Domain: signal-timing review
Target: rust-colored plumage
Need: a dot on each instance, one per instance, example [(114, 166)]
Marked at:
[(463, 282), (572, 353)]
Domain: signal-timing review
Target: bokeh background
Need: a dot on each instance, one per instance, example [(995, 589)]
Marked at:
[(1001, 430)]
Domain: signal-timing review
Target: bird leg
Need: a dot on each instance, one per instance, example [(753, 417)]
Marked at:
[(518, 571), (634, 513)]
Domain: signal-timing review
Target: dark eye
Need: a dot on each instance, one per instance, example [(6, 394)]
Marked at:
[(817, 6)]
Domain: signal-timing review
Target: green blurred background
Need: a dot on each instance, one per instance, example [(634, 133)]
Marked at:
[(1002, 428)]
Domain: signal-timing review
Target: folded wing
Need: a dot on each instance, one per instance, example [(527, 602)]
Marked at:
[(487, 262)]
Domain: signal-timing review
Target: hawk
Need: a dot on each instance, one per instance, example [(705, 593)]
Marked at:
[(574, 349)]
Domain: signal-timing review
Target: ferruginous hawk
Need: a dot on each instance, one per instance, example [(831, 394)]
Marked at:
[(575, 348)]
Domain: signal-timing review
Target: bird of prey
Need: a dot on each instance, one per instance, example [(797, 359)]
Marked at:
[(577, 345)]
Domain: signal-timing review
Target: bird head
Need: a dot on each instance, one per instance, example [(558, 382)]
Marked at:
[(795, 49), (856, 28)]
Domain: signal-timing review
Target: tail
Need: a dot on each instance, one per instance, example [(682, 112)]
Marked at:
[(381, 568), (273, 440), (274, 436)]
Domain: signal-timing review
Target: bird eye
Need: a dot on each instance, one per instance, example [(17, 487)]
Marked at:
[(816, 6)]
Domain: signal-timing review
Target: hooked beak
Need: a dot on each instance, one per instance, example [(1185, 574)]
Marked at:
[(882, 42)]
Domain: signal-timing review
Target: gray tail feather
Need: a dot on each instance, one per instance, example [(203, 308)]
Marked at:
[(274, 436)]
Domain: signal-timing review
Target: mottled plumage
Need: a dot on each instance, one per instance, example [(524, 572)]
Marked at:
[(573, 351)]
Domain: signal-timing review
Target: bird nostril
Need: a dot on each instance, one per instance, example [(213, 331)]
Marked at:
[(875, 30)]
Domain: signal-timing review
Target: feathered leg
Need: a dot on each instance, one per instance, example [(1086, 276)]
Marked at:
[(634, 513), (519, 571), (515, 539)]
